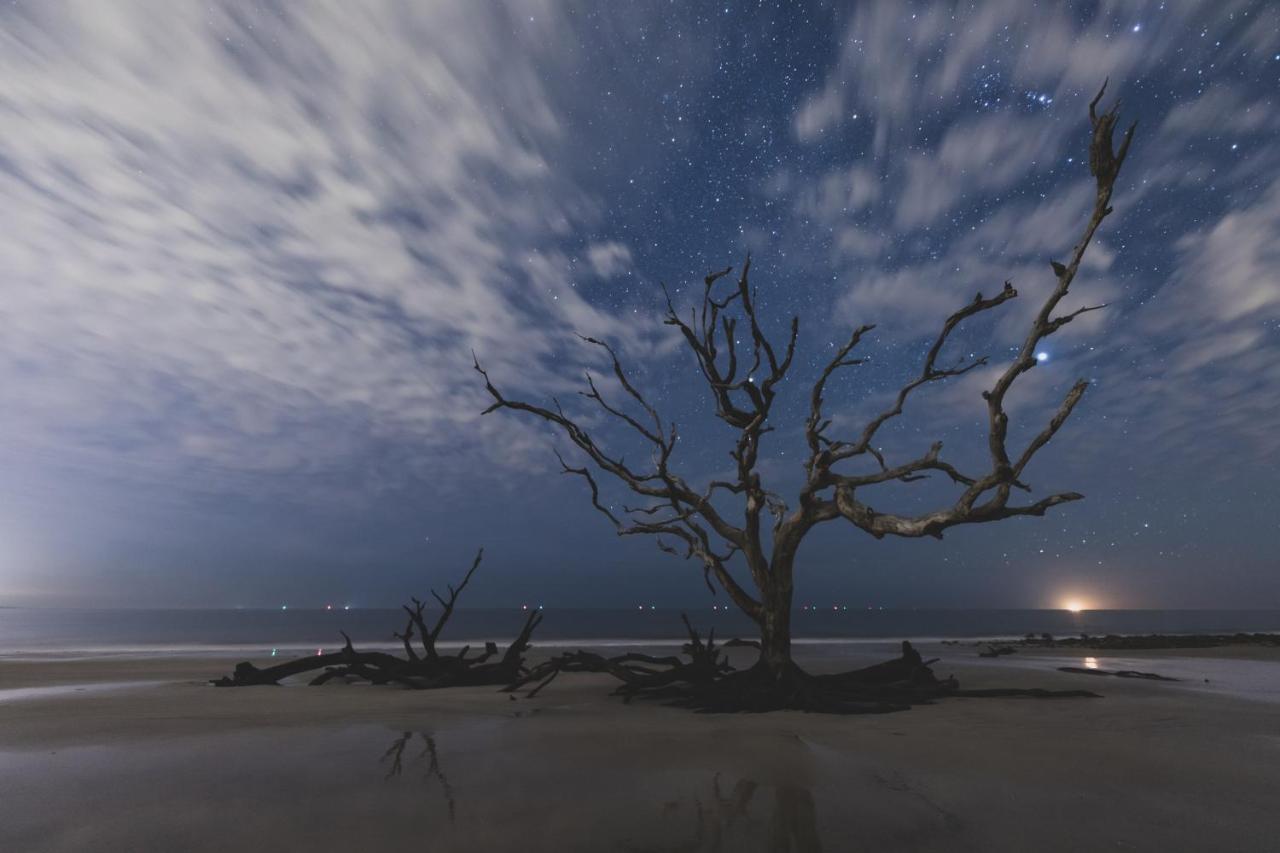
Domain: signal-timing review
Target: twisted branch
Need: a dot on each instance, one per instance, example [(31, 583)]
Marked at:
[(1004, 474), (743, 387)]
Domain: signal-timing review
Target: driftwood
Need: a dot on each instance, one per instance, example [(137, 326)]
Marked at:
[(701, 678), (742, 535), (704, 680), (419, 670)]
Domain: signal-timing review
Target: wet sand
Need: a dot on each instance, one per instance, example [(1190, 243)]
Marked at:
[(178, 765)]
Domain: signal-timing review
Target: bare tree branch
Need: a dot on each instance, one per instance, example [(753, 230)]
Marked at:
[(743, 387), (930, 373), (413, 670), (1004, 474)]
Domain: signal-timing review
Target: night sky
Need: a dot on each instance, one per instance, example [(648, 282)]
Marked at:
[(247, 249)]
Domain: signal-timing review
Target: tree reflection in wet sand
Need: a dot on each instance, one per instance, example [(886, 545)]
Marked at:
[(792, 824), (428, 756)]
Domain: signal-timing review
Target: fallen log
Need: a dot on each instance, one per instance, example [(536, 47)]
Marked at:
[(707, 682), (700, 678), (427, 669)]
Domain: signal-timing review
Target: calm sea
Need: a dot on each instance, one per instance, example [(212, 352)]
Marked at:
[(147, 632)]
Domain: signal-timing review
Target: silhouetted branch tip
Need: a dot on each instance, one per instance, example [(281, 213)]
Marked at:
[(741, 365), (413, 670)]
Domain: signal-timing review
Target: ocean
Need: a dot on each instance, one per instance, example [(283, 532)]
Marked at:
[(56, 632)]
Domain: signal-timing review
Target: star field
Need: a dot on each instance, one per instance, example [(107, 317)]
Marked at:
[(251, 248)]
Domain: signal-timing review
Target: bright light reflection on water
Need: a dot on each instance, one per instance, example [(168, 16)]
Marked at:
[(1242, 678)]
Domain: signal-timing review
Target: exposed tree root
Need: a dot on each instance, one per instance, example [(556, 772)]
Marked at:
[(420, 670), (707, 682), (702, 679)]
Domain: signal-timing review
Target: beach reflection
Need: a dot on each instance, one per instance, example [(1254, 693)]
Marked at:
[(479, 785), (784, 823), (1090, 663), (427, 760), (777, 818)]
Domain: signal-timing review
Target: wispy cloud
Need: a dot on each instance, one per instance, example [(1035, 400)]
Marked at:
[(609, 258), (247, 251), (900, 63), (996, 191), (259, 240)]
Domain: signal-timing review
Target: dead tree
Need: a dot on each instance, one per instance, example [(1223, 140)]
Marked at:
[(708, 682), (742, 384), (419, 670)]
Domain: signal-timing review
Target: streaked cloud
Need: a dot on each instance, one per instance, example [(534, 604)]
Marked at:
[(258, 240)]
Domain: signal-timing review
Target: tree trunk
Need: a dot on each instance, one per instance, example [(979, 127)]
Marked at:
[(775, 625)]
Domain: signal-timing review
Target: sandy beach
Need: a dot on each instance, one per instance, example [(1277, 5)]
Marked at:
[(92, 759)]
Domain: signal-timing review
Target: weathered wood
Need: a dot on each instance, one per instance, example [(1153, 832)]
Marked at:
[(427, 671), (704, 680), (743, 368)]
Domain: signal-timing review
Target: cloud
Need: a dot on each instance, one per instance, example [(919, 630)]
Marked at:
[(818, 113), (1229, 271), (240, 241), (855, 242), (1225, 283), (609, 258), (1014, 243), (899, 63), (997, 189), (1221, 108), (840, 192), (1039, 229), (974, 157), (1200, 355)]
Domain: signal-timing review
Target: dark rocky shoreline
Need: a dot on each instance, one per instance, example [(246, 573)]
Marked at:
[(1122, 642)]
